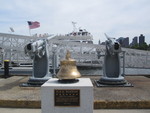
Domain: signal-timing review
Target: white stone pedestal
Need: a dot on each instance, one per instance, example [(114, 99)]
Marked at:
[(49, 96)]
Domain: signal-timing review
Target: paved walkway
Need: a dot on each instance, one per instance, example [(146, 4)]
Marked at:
[(11, 95), (17, 110)]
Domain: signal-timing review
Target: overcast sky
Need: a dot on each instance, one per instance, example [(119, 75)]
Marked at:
[(116, 18)]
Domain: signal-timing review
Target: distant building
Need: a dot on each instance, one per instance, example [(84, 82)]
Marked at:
[(141, 39), (123, 41), (120, 40), (134, 41)]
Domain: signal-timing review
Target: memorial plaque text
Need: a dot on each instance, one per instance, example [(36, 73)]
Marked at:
[(67, 97)]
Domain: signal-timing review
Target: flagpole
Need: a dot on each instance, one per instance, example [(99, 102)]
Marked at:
[(29, 27), (30, 31)]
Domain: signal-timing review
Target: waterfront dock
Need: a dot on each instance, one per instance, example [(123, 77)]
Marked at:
[(137, 97)]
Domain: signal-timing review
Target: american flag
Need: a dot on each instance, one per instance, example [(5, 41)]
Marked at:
[(33, 25)]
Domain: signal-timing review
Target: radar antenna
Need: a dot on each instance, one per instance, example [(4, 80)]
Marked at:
[(74, 26)]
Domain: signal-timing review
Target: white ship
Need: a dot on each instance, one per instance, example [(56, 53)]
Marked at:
[(80, 44), (77, 35)]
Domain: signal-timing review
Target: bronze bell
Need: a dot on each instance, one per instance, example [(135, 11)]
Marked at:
[(68, 70)]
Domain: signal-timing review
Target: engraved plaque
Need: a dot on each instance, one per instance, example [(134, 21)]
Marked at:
[(67, 97)]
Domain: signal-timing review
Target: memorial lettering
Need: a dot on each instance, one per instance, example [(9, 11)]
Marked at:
[(67, 97)]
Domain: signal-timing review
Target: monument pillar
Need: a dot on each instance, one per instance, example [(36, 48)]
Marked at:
[(59, 97)]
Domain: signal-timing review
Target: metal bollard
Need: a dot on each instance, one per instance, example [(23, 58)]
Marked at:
[(6, 68)]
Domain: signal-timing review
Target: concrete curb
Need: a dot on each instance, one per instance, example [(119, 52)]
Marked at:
[(97, 104), (20, 103), (122, 105)]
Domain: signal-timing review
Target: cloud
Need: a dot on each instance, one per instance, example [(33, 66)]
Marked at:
[(115, 17)]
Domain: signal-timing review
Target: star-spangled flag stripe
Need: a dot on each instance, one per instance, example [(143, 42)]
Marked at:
[(33, 25)]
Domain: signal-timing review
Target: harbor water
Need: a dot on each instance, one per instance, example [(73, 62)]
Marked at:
[(93, 71), (128, 71)]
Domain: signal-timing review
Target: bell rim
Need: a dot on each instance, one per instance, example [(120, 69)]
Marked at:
[(65, 76), (68, 78)]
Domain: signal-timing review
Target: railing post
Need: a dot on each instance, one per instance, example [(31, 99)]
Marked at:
[(6, 68)]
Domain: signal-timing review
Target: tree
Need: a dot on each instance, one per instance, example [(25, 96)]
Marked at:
[(141, 47)]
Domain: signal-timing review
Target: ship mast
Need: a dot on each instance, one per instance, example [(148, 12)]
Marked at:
[(74, 26)]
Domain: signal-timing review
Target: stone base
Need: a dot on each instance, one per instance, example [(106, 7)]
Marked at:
[(54, 100), (104, 84), (35, 82)]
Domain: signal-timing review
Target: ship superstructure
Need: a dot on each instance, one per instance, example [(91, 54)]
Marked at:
[(78, 42)]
